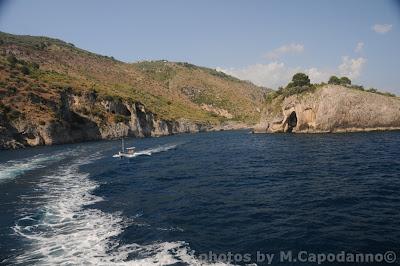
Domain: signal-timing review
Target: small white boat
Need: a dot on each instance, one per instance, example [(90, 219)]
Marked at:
[(125, 152)]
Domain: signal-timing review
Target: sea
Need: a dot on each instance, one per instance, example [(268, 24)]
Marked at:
[(215, 198)]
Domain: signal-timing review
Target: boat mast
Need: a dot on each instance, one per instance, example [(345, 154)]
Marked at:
[(123, 148)]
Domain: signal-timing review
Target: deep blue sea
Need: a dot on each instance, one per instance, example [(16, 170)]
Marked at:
[(194, 196)]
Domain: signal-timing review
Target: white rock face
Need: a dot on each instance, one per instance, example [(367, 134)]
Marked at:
[(216, 110), (333, 109)]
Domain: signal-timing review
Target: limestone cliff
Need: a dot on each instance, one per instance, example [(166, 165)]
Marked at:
[(331, 109), (87, 117)]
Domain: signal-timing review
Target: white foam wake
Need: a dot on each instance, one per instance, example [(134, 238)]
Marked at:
[(150, 151), (156, 150), (13, 168), (65, 230)]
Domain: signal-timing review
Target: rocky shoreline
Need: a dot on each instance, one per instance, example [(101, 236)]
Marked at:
[(86, 117)]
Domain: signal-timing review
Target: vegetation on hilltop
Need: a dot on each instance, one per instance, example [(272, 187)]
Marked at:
[(45, 66), (301, 83), (339, 81)]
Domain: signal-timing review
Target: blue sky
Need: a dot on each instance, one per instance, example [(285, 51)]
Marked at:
[(262, 41)]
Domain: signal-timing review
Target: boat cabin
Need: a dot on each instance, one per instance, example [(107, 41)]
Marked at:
[(130, 150)]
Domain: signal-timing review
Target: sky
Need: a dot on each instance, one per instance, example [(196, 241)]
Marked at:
[(263, 41)]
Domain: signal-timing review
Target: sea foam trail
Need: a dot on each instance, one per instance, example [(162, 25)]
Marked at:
[(13, 168), (150, 151), (65, 230), (156, 150)]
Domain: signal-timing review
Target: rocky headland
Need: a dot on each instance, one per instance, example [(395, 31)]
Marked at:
[(330, 108)]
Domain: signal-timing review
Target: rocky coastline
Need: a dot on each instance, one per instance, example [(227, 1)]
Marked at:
[(86, 117)]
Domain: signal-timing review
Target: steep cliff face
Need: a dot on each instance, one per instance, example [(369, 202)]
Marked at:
[(87, 117), (331, 109)]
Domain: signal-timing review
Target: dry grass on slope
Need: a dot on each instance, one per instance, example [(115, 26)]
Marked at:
[(163, 87)]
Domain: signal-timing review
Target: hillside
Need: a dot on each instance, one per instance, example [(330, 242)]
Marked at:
[(52, 92), (330, 108)]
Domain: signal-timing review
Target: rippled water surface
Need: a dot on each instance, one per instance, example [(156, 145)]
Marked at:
[(190, 194)]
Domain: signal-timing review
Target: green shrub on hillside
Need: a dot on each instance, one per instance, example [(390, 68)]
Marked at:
[(35, 65), (334, 80), (358, 87), (25, 70), (345, 81), (388, 94), (300, 83), (12, 60), (12, 90), (373, 90), (288, 91), (41, 45), (187, 65), (272, 95), (221, 74), (160, 70), (299, 80)]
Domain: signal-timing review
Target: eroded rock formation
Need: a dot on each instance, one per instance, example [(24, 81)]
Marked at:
[(86, 117), (331, 109)]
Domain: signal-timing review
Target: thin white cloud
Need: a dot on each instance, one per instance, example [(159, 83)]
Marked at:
[(292, 48), (273, 74), (359, 47), (318, 75), (352, 67), (277, 74), (382, 28)]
